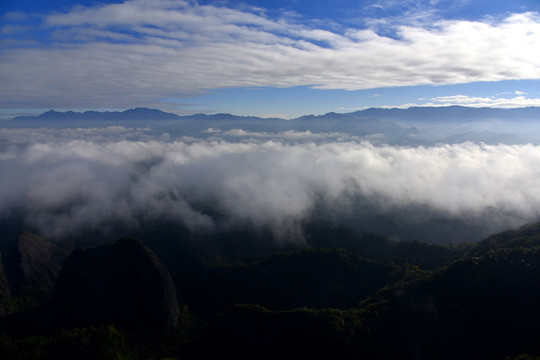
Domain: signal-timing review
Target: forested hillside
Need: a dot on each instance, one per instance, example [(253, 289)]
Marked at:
[(365, 297)]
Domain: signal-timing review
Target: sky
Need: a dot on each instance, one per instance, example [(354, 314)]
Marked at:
[(267, 58)]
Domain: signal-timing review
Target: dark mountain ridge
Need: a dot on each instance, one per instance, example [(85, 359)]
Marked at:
[(482, 307)]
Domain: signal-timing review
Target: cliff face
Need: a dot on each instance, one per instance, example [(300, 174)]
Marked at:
[(33, 265), (4, 285), (123, 283)]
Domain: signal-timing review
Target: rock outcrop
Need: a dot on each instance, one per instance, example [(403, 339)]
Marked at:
[(123, 283), (4, 285), (33, 265)]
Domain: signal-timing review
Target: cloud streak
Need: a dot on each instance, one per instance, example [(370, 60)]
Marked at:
[(473, 101), (140, 51), (67, 186)]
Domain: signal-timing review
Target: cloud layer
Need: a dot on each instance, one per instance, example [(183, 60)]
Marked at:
[(66, 186), (475, 101), (141, 51)]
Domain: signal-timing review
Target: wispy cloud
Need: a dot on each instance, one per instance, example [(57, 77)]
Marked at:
[(517, 101), (475, 101), (288, 135), (141, 51)]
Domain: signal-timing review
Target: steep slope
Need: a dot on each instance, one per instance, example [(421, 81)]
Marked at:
[(477, 308), (527, 236), (33, 265), (123, 283), (4, 285)]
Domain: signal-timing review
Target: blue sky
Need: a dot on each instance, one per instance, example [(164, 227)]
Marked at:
[(267, 58)]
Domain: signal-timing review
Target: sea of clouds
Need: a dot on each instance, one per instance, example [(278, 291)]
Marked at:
[(70, 180)]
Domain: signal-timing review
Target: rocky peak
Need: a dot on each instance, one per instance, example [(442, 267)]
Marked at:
[(33, 265), (123, 283)]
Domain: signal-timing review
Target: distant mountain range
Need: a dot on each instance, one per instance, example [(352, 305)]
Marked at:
[(131, 114), (412, 126), (455, 113)]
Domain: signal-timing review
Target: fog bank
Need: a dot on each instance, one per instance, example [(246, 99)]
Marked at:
[(64, 186)]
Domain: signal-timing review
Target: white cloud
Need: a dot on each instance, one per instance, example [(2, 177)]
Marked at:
[(289, 135), (66, 186), (475, 101), (141, 51)]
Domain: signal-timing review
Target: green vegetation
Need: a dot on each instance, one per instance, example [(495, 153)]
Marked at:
[(12, 305), (105, 342), (368, 298)]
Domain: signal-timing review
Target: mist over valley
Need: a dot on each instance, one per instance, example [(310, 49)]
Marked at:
[(70, 173)]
